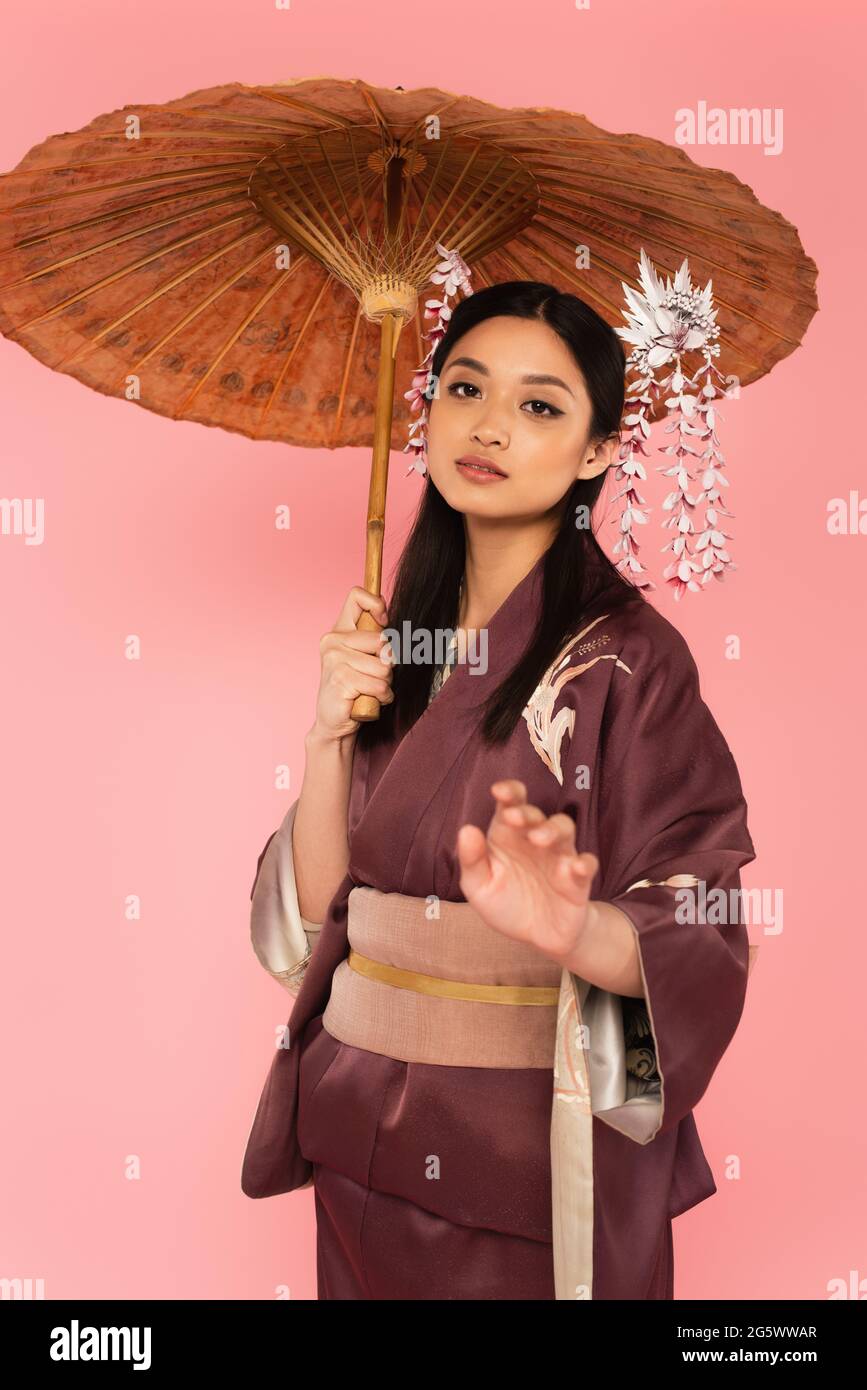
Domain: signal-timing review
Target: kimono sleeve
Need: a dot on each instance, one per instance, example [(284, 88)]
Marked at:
[(673, 838), (282, 939)]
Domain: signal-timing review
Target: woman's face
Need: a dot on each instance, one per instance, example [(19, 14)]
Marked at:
[(493, 404)]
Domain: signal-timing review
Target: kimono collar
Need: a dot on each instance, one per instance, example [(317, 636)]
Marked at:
[(508, 633), (386, 808)]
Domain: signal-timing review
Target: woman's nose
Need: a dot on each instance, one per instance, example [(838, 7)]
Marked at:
[(490, 433)]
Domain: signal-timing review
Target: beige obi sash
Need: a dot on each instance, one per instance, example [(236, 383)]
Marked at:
[(431, 982), (449, 990)]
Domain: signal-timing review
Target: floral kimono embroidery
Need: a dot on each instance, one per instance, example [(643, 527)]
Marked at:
[(546, 728)]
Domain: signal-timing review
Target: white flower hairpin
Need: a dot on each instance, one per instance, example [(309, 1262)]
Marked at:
[(665, 324)]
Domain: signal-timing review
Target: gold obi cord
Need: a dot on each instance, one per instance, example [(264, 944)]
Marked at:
[(420, 988)]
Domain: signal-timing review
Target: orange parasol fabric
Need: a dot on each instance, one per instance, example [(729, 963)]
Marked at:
[(247, 257)]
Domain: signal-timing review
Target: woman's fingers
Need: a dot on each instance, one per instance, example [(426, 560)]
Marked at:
[(358, 639), (581, 869), (360, 601), (510, 792), (551, 835), (336, 654), (514, 810), (511, 807), (588, 866), (557, 831), (523, 815), (546, 833), (473, 859), (572, 875)]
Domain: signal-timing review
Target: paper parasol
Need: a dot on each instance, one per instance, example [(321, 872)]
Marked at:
[(247, 257)]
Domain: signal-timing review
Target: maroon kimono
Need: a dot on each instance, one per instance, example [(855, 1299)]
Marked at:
[(618, 736)]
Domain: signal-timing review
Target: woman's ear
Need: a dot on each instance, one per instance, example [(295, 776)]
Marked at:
[(600, 456)]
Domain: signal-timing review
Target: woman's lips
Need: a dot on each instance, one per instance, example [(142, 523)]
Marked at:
[(477, 473)]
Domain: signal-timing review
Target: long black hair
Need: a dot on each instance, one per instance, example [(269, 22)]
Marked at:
[(578, 577)]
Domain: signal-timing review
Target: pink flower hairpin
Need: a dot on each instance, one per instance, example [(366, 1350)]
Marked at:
[(453, 273)]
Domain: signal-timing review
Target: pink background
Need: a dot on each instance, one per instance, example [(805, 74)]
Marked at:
[(157, 777)]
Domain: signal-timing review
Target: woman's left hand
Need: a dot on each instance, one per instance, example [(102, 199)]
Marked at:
[(525, 877)]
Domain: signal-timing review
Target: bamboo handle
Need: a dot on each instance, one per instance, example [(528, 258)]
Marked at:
[(367, 707)]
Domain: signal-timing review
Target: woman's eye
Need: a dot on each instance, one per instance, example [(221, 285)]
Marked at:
[(552, 410)]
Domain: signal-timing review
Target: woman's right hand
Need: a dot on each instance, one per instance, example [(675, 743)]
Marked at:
[(352, 666)]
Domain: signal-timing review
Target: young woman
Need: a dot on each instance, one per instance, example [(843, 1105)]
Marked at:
[(513, 998)]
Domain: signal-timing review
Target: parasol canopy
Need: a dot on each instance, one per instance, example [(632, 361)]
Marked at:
[(248, 256)]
